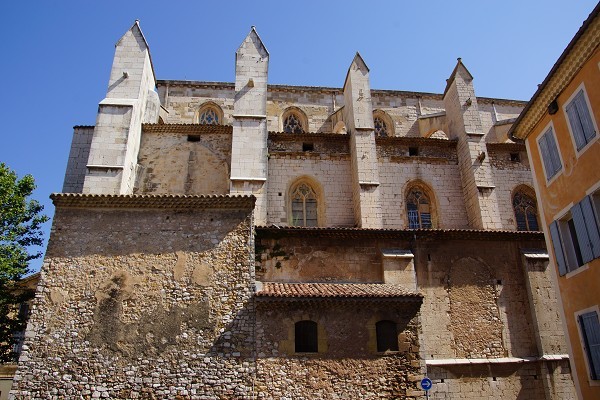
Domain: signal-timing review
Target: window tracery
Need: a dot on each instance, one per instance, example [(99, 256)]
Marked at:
[(304, 206), (418, 207), (380, 127), (525, 208), (209, 116), (292, 124)]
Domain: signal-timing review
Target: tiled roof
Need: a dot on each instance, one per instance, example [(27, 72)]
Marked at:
[(164, 201), (403, 234), (274, 290), (186, 128)]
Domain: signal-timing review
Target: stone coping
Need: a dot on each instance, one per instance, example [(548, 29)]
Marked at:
[(187, 128), (501, 360), (402, 234), (160, 201)]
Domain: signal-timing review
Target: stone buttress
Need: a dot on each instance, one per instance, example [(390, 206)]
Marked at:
[(130, 101), (358, 115), (464, 123), (249, 142)]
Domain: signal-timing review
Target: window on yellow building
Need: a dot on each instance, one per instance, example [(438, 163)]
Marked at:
[(590, 332), (580, 120), (576, 237), (549, 152)]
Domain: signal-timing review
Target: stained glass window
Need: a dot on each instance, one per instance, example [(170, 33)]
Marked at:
[(419, 210), (209, 117), (525, 212), (380, 127), (304, 206), (292, 124)]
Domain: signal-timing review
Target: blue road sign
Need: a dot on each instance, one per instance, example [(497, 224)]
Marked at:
[(426, 383)]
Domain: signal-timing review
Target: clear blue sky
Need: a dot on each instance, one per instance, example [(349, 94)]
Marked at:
[(56, 55)]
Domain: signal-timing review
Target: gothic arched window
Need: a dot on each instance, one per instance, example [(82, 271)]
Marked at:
[(380, 127), (418, 207), (292, 124), (210, 114), (209, 117), (304, 205), (525, 212)]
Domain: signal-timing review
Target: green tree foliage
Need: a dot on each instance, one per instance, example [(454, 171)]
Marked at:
[(21, 220)]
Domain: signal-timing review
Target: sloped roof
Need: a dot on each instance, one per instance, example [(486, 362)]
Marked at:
[(275, 290), (161, 201)]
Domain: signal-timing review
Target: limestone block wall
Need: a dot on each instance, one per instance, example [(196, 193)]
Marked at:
[(347, 365), (404, 108), (142, 303), (331, 172), (313, 259), (508, 175), (316, 103), (184, 163), (441, 175), (184, 99), (78, 159), (504, 381)]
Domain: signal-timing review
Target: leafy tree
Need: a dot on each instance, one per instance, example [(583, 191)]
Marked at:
[(20, 227)]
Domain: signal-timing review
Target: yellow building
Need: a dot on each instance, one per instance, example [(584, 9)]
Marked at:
[(560, 128)]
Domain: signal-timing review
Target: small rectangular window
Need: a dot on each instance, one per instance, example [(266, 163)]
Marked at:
[(590, 332), (193, 138), (549, 152), (580, 120), (413, 151), (308, 147)]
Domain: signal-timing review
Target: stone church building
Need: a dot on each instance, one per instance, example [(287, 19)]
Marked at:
[(245, 240)]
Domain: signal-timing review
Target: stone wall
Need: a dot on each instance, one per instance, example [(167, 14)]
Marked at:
[(488, 316), (184, 163), (347, 365), (142, 303)]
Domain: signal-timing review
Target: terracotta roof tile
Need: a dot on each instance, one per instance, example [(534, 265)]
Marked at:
[(164, 201), (335, 290), (407, 234), (187, 128)]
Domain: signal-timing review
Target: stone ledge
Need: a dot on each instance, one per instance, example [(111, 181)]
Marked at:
[(502, 360)]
